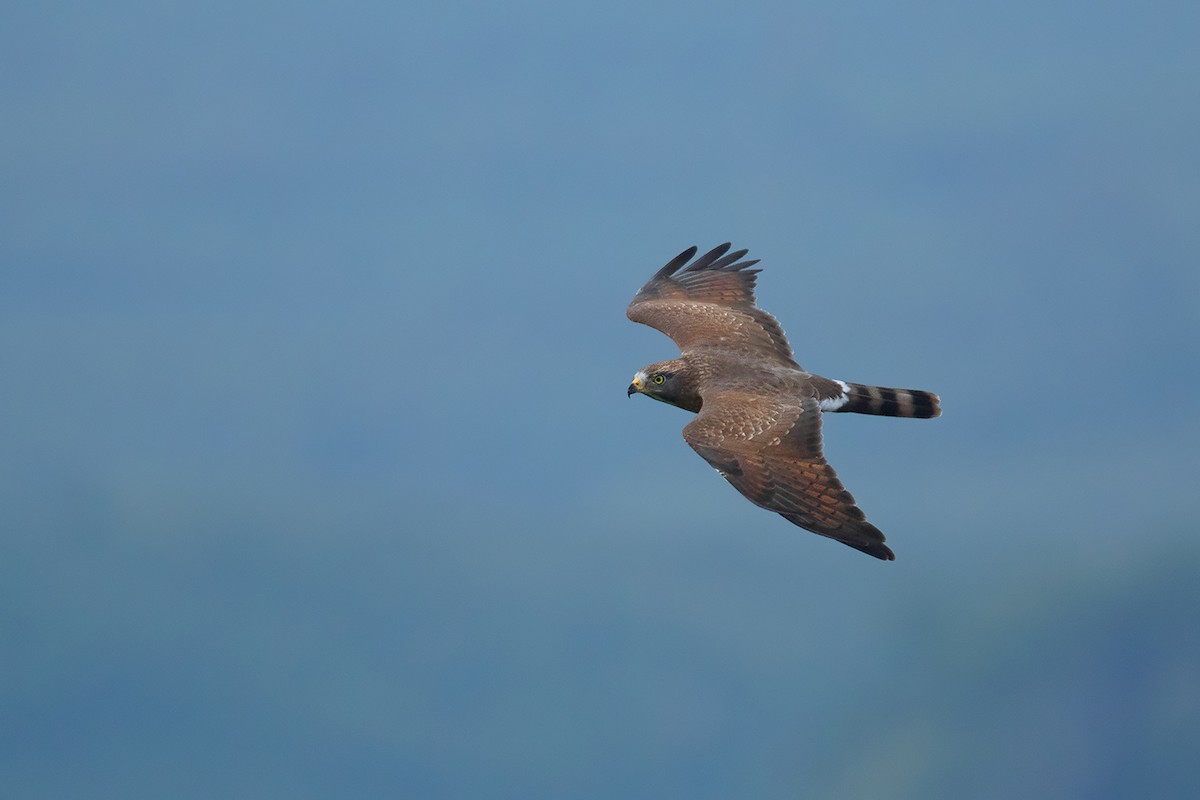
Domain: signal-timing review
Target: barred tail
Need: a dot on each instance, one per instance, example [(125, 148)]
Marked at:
[(881, 400)]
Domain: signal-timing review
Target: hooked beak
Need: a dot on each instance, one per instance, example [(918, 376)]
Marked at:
[(634, 387)]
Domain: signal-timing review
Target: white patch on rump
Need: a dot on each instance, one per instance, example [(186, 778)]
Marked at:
[(834, 403)]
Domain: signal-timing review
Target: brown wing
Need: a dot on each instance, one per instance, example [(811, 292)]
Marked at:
[(770, 450), (710, 304)]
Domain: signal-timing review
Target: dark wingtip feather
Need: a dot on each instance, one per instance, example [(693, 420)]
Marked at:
[(706, 260), (877, 549), (729, 258), (720, 259), (677, 262)]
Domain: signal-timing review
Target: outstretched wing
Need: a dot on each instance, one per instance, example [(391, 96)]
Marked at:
[(710, 304), (770, 450)]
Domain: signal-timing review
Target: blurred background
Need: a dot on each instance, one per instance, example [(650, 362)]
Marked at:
[(318, 477)]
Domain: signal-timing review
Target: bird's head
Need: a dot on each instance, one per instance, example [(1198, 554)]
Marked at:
[(668, 382)]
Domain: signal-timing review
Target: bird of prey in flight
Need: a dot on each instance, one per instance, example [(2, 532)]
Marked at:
[(758, 413)]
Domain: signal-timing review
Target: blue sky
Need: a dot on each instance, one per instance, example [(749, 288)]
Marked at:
[(319, 477)]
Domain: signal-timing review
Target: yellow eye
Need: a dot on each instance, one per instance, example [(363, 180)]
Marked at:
[(658, 379)]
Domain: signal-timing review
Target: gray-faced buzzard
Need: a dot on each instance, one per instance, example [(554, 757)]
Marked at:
[(758, 413)]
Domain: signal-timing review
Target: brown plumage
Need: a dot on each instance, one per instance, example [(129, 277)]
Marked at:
[(758, 412)]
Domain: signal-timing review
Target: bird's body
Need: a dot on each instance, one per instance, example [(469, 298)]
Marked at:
[(758, 412)]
